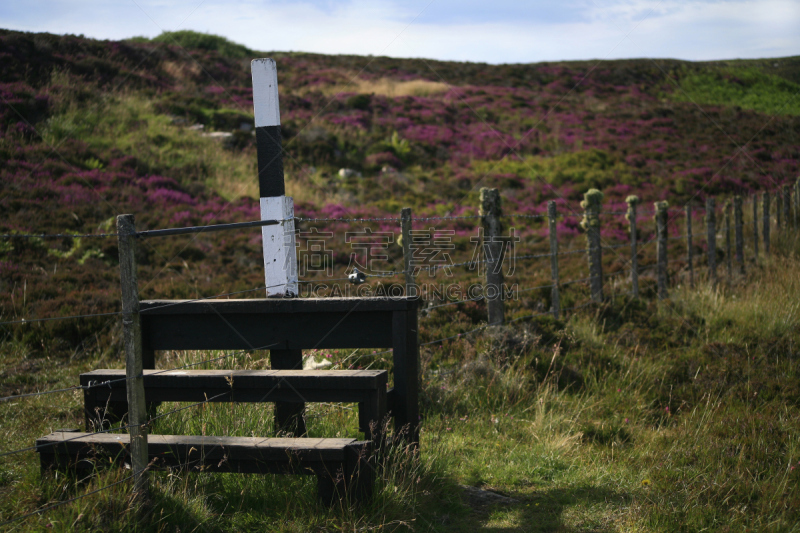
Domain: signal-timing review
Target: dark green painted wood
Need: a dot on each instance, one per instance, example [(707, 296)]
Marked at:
[(341, 465)]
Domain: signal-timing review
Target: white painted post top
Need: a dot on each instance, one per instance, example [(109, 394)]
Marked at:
[(265, 92)]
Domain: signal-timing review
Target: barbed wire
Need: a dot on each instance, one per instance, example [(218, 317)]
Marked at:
[(33, 320), (521, 215), (389, 219), (57, 235), (59, 504), (476, 299), (113, 429), (574, 281), (550, 286), (109, 382)]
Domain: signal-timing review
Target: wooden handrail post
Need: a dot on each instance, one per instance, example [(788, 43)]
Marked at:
[(554, 295), (711, 233), (766, 221), (633, 202), (739, 231), (661, 247), (408, 274), (689, 244), (592, 201), (132, 341), (493, 253)]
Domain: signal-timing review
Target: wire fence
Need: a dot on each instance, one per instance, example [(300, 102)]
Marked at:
[(637, 250)]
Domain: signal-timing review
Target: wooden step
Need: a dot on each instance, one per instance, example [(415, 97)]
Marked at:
[(341, 465), (365, 387)]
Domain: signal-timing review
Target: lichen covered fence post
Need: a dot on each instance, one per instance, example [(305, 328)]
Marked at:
[(726, 211), (408, 273), (555, 298), (592, 201), (755, 226), (689, 244), (766, 222), (796, 203), (739, 232), (787, 202), (493, 254), (633, 202), (711, 233), (661, 247)]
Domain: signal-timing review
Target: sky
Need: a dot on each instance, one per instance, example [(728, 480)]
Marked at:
[(491, 31)]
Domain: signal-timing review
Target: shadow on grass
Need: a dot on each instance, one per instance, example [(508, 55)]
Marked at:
[(545, 511)]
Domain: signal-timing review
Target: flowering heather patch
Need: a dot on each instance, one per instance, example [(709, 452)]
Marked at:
[(537, 132)]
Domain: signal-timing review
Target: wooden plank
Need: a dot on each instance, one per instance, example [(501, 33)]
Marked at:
[(341, 465), (211, 447), (291, 331), (277, 306), (252, 386), (244, 379), (283, 393)]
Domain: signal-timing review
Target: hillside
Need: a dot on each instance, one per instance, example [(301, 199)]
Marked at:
[(626, 409)]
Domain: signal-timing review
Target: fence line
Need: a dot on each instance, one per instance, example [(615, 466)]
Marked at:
[(783, 210)]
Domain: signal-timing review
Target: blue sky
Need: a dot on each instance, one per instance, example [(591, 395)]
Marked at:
[(493, 31)]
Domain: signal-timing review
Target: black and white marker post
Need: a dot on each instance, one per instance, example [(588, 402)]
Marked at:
[(280, 259)]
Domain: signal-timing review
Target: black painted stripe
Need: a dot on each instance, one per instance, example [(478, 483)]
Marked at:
[(270, 162)]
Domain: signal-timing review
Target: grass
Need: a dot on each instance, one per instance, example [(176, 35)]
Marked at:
[(632, 415), (748, 88), (608, 421), (389, 87), (130, 123)]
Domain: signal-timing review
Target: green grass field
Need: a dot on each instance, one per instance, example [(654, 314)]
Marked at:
[(631, 415)]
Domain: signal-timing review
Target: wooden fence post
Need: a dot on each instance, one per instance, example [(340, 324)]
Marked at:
[(408, 273), (493, 253), (755, 226), (739, 232), (778, 211), (689, 244), (554, 295), (787, 203), (726, 210), (632, 202), (661, 248), (796, 203), (591, 224), (132, 341), (765, 223), (711, 227)]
